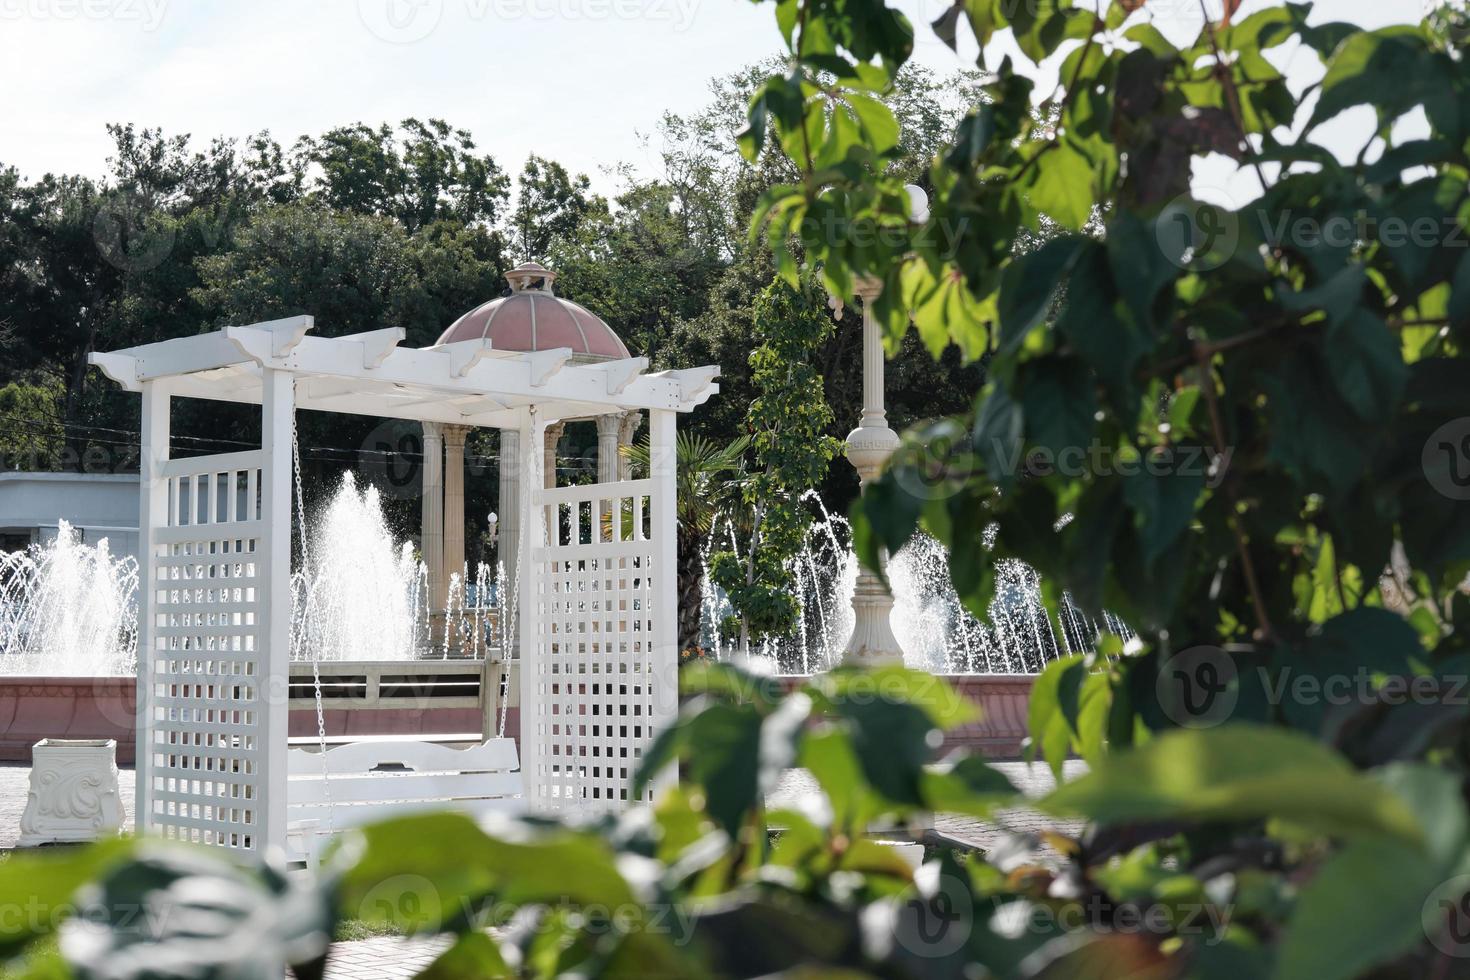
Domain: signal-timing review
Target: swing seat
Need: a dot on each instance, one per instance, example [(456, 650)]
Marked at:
[(376, 779)]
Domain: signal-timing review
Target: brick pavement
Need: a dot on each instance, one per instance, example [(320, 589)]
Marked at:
[(393, 958)]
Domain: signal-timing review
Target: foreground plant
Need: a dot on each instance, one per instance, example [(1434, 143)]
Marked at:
[(1240, 852)]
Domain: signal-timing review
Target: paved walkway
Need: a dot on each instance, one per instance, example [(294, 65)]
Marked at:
[(392, 958)]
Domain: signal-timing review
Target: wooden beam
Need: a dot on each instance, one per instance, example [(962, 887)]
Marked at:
[(377, 345), (620, 373), (465, 354), (545, 363), (512, 377), (122, 368), (286, 334)]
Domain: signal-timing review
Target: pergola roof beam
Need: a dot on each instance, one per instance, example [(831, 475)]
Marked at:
[(377, 345), (431, 374)]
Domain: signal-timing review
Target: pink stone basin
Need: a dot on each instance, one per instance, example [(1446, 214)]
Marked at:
[(1004, 701), (36, 708)]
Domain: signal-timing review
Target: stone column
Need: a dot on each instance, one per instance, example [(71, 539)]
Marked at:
[(868, 448), (454, 437), (432, 513), (609, 468), (509, 534), (609, 438), (628, 429), (553, 436)]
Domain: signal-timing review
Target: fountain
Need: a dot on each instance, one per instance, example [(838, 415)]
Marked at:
[(361, 595), (68, 634), (993, 661), (68, 609), (939, 634)]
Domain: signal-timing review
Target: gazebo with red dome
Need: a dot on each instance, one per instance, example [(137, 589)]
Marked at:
[(596, 596)]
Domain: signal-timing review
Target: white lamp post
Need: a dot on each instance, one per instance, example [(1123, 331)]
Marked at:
[(869, 447)]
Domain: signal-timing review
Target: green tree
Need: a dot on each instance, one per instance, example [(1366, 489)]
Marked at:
[(428, 172), (551, 205), (788, 421)]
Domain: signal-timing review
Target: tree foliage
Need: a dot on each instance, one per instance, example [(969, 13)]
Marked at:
[(788, 422)]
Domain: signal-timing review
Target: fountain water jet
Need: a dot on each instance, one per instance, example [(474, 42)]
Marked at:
[(68, 609), (360, 597), (938, 633)]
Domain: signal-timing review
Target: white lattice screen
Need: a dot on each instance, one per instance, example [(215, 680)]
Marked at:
[(200, 769), (597, 674)]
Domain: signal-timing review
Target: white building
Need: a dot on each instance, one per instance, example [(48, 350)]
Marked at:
[(98, 505)]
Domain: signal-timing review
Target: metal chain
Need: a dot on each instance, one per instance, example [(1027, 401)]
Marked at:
[(316, 675)]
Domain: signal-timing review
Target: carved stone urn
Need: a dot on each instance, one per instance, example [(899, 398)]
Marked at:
[(73, 795)]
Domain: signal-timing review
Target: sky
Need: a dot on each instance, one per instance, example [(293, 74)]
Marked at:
[(581, 81)]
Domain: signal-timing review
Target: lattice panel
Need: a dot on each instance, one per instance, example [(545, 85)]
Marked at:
[(593, 709), (204, 655)]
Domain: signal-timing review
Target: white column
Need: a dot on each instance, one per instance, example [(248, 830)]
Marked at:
[(868, 448), (454, 437), (432, 514), (532, 536), (664, 669), (278, 407), (152, 514)]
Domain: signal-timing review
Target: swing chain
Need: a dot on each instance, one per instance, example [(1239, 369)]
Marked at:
[(316, 676)]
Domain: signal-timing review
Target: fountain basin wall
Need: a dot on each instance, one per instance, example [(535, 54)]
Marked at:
[(1004, 701), (395, 698), (33, 708), (415, 698)]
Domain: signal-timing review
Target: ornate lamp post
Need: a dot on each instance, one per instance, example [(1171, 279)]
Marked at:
[(869, 447)]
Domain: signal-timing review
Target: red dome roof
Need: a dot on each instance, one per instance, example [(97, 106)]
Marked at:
[(532, 317)]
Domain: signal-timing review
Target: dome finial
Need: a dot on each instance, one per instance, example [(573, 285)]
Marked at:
[(530, 277)]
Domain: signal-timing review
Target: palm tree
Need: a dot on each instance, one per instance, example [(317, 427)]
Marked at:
[(707, 474)]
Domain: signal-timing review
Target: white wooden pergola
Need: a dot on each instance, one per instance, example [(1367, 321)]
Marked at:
[(597, 619)]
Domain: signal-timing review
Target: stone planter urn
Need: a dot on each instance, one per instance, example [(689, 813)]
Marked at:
[(73, 796)]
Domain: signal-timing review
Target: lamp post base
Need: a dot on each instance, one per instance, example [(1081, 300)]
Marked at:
[(872, 642)]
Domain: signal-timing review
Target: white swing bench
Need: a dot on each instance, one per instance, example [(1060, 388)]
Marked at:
[(373, 779)]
